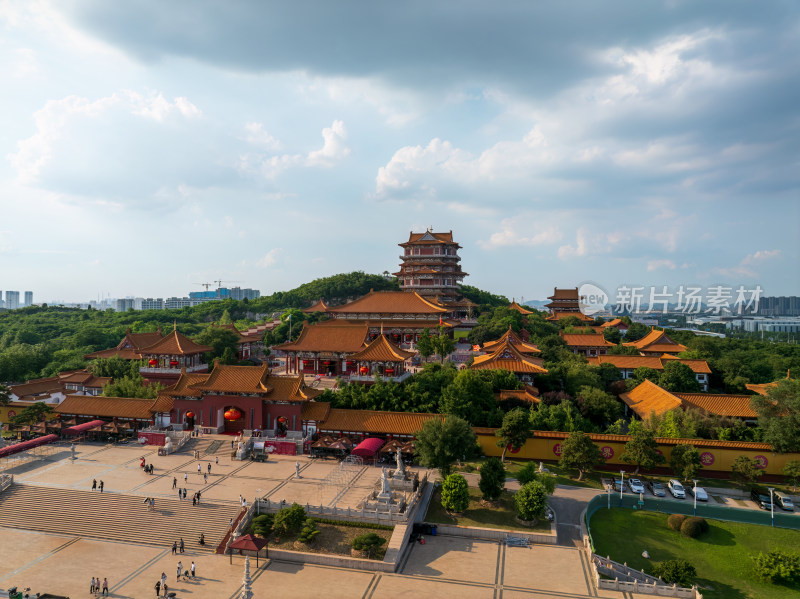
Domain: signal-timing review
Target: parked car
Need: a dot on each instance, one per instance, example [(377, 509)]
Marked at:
[(783, 500), (656, 488), (676, 488), (635, 485), (618, 484), (700, 492), (760, 496)]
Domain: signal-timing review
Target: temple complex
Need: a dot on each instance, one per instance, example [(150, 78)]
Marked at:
[(648, 398), (656, 343), (627, 365), (325, 348), (510, 353), (565, 303), (588, 345), (430, 265), (238, 398), (169, 356), (130, 348)]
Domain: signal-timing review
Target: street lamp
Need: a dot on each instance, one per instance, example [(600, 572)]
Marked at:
[(621, 485), (608, 494), (694, 480), (771, 506)]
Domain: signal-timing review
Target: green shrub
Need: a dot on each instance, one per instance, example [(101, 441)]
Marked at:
[(777, 566), (455, 493), (693, 527), (531, 501), (493, 479), (675, 521), (309, 532), (262, 524), (676, 571), (289, 519), (530, 472), (354, 524), (369, 543)]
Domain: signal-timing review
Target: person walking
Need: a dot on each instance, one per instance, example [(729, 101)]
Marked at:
[(101, 486), (181, 546), (216, 461), (105, 586), (158, 587), (165, 588), (163, 580), (205, 478), (199, 469), (185, 477), (184, 492), (174, 547), (152, 503), (192, 569), (93, 585), (94, 484), (231, 525), (194, 499), (174, 482), (209, 467), (180, 569), (198, 497), (180, 494)]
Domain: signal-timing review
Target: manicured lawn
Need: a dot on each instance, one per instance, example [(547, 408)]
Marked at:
[(333, 538), (721, 556), (481, 516), (563, 477)]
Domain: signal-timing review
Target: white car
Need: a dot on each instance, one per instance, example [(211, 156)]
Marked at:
[(676, 488), (636, 485)]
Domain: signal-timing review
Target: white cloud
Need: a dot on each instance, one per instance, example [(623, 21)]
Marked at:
[(760, 256), (258, 136), (579, 249), (745, 268), (334, 148), (653, 265), (522, 231), (271, 258)]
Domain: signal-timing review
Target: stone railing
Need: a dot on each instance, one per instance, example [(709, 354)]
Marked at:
[(657, 587), (6, 480)]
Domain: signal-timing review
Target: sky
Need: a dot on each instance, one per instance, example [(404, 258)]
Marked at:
[(149, 147)]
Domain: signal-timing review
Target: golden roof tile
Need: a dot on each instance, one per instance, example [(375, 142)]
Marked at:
[(315, 410), (389, 302), (647, 398), (561, 315), (585, 340), (506, 356), (516, 307), (318, 306), (336, 336), (227, 378), (174, 344), (381, 349), (107, 407), (654, 362), (656, 341), (376, 422), (515, 340)]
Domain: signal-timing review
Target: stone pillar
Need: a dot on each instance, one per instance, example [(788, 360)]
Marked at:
[(247, 582)]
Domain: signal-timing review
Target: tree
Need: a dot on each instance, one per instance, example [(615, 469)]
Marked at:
[(563, 416), (685, 461), (131, 386), (115, 367), (514, 432), (455, 493), (289, 518), (579, 452), (5, 395), (612, 335), (779, 415), (600, 407), (470, 397), (219, 340), (642, 449), (493, 479), (675, 571), (425, 344), (642, 373), (777, 566), (792, 472), (368, 543), (441, 442), (678, 377), (31, 414), (530, 472), (226, 317), (309, 531), (636, 330), (531, 501), (745, 470), (442, 344)]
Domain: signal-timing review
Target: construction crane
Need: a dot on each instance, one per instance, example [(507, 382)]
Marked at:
[(206, 285), (219, 283)]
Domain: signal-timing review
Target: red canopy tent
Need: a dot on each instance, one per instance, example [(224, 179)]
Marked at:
[(368, 447), (82, 428), (25, 445), (248, 543)]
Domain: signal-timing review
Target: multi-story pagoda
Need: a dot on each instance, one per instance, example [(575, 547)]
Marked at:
[(430, 265), (565, 303)]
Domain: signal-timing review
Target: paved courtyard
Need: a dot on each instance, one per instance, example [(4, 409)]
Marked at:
[(447, 566)]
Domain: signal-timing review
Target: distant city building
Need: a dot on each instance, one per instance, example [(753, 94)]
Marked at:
[(152, 304), (236, 293), (779, 306), (766, 325), (29, 298), (123, 305), (12, 300), (174, 303)]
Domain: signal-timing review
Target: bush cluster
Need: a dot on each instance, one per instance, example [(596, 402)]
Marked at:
[(675, 571), (354, 524), (262, 525), (675, 521), (777, 566), (369, 543), (289, 519), (309, 532), (693, 527)]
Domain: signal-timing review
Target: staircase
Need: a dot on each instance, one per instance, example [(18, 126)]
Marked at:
[(111, 516)]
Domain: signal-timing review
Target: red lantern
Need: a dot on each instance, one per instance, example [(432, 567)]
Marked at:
[(282, 419), (327, 362), (390, 371), (173, 363), (232, 414), (364, 370), (190, 414), (153, 362), (306, 362)]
